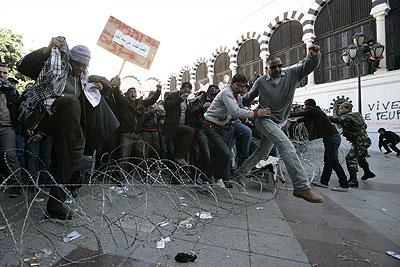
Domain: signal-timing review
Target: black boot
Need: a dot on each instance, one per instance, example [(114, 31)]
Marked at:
[(353, 180), (55, 205), (82, 163), (367, 175)]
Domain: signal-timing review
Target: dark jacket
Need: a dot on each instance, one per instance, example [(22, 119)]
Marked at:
[(316, 122), (196, 111), (172, 106), (131, 114), (389, 137), (12, 98), (31, 64), (97, 123)]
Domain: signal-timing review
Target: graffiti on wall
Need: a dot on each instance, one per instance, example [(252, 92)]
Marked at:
[(384, 114)]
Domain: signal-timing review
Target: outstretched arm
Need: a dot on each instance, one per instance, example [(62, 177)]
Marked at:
[(31, 64), (311, 62)]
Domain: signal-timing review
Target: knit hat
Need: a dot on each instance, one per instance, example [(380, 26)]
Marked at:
[(347, 105), (81, 54)]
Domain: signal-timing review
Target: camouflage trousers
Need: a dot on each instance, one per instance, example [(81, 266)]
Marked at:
[(357, 154)]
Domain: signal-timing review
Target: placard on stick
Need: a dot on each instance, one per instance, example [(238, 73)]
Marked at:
[(128, 43)]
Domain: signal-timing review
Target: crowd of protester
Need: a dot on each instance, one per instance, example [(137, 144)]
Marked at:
[(59, 122)]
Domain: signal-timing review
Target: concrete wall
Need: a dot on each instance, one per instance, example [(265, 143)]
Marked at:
[(380, 95)]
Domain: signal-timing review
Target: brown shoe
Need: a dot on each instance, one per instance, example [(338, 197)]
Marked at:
[(239, 178), (308, 195)]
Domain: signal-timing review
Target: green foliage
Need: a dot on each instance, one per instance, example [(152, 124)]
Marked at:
[(11, 45)]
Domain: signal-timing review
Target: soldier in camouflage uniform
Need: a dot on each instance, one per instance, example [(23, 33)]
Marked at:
[(354, 129)]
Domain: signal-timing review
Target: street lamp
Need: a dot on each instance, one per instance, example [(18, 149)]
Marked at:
[(358, 52)]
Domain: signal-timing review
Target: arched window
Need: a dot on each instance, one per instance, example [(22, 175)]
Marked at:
[(393, 36), (249, 61), (221, 68), (201, 76), (335, 26), (172, 84), (286, 43), (186, 76)]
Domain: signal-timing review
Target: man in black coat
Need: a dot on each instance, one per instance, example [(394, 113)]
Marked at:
[(319, 126), (174, 127), (8, 123), (62, 117), (388, 140)]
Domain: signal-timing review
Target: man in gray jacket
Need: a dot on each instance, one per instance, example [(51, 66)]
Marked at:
[(276, 91), (225, 106)]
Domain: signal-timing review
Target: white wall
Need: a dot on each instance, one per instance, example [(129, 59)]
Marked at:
[(380, 95)]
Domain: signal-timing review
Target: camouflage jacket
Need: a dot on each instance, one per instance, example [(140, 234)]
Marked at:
[(354, 127)]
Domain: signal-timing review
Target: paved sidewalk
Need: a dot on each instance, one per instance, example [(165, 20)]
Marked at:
[(254, 229)]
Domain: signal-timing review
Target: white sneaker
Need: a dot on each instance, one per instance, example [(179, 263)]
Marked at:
[(220, 184), (319, 184), (340, 189)]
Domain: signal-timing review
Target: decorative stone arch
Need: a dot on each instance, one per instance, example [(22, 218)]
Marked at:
[(312, 14), (316, 8), (293, 15), (134, 82), (182, 72), (215, 54), (198, 62), (171, 77), (154, 78), (239, 42)]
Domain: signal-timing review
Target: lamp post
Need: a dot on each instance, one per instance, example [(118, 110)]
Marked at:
[(358, 52)]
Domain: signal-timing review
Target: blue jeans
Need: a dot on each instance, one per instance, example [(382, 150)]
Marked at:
[(8, 147), (38, 158), (239, 134), (272, 135), (331, 161)]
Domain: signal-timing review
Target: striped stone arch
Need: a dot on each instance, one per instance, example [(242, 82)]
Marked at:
[(316, 7), (312, 14), (276, 22), (241, 41), (215, 54), (185, 68), (155, 79), (196, 65)]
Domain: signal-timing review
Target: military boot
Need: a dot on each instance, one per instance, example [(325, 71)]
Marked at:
[(367, 172), (353, 180)]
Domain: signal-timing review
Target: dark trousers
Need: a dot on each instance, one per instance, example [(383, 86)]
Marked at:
[(152, 144), (331, 161), (130, 143), (65, 128), (204, 161), (183, 139), (220, 153), (391, 146)]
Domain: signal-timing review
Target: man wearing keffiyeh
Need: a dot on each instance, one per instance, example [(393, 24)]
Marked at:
[(54, 107)]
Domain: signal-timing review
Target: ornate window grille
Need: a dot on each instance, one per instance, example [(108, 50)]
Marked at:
[(201, 76), (249, 61), (286, 43), (172, 84), (335, 26), (221, 68), (186, 76), (393, 36)]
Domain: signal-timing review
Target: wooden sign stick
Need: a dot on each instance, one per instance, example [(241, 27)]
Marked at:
[(122, 67)]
